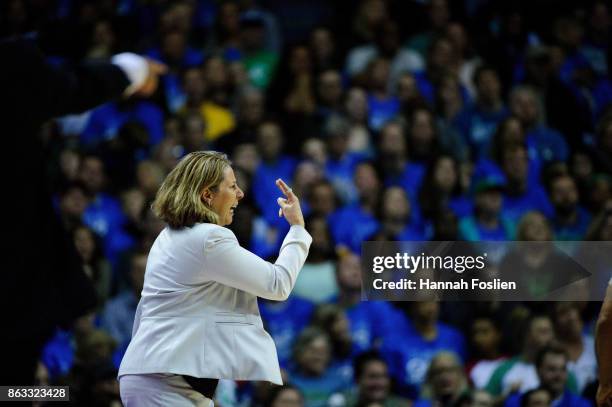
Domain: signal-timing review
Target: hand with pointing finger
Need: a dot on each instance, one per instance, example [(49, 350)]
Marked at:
[(289, 206)]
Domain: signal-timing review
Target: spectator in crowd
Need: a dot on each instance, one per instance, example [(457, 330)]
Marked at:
[(317, 280), (259, 60), (250, 114), (539, 397), (218, 120), (478, 121), (117, 317), (332, 319), (445, 381), (488, 221), (351, 224), (322, 199), (285, 396), (441, 60), (481, 398), (284, 321), (274, 164), (442, 189), (72, 204), (519, 373), (312, 374), (97, 268), (579, 346), (367, 327), (467, 60), (548, 143), (373, 384), (422, 337), (329, 94), (397, 220), (103, 213), (324, 49), (448, 106), (423, 137), (519, 196), (382, 104), (356, 112), (551, 365), (395, 165), (438, 14), (387, 45), (341, 162), (485, 341), (570, 221)]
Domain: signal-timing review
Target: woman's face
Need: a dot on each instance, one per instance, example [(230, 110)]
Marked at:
[(445, 175), (225, 199), (315, 356), (84, 243), (288, 398)]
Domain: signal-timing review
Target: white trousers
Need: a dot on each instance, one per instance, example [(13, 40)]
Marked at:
[(159, 389)]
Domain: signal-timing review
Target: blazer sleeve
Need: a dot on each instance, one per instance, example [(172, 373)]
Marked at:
[(47, 91), (228, 263)]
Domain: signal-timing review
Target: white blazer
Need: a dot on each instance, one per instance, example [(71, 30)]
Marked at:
[(198, 312)]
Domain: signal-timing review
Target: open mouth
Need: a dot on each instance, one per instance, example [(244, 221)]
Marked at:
[(233, 208)]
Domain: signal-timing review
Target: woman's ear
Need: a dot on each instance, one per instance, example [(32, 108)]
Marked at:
[(207, 196)]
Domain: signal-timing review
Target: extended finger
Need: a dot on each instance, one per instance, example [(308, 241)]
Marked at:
[(285, 188)]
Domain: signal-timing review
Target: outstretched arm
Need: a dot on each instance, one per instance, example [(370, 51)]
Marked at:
[(40, 91)]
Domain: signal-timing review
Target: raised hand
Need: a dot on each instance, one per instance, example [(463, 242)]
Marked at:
[(156, 69), (289, 206)]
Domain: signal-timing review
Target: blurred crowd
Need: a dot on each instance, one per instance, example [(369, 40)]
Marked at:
[(475, 120)]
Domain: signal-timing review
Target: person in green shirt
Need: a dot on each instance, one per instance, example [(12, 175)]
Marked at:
[(260, 63)]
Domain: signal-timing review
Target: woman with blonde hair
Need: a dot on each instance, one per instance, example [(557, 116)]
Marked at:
[(198, 320)]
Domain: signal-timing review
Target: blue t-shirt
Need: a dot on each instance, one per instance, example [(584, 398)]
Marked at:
[(428, 91), (351, 225), (410, 179), (267, 238), (408, 354), (461, 206), (105, 216), (284, 321), (381, 111), (264, 186), (58, 354), (370, 322), (548, 144), (477, 126), (567, 400), (106, 121), (533, 199), (340, 174), (575, 231)]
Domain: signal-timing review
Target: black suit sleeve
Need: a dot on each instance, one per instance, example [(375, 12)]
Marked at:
[(43, 91)]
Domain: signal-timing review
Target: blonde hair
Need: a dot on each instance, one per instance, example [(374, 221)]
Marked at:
[(179, 199)]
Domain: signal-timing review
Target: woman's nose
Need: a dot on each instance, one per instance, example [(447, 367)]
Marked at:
[(240, 194)]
